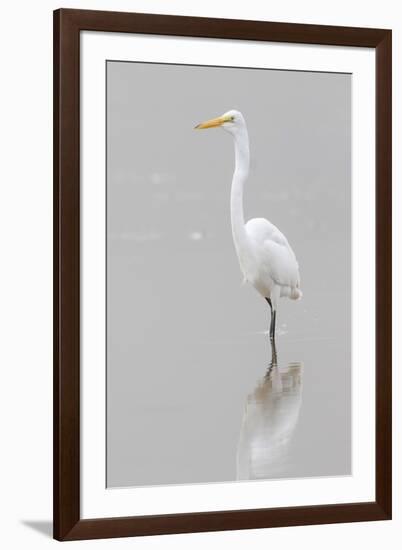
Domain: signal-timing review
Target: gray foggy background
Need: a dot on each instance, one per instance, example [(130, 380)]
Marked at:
[(188, 398)]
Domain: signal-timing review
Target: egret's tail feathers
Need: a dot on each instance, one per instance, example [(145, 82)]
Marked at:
[(291, 292), (296, 294)]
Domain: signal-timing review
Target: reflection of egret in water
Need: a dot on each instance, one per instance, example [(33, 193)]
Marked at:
[(269, 421)]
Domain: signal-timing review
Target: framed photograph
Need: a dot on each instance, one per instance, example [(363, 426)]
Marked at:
[(222, 274)]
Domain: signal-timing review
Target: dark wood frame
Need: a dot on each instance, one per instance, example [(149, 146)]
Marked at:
[(67, 26)]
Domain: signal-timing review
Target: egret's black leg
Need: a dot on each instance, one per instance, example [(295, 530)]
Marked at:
[(273, 326), (274, 357), (273, 320)]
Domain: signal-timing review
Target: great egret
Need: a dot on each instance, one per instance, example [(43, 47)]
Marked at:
[(265, 256)]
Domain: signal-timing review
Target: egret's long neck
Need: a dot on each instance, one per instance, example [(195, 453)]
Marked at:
[(242, 162)]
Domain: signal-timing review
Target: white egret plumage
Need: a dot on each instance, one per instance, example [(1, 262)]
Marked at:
[(266, 259)]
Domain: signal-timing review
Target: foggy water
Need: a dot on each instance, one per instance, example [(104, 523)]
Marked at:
[(193, 392)]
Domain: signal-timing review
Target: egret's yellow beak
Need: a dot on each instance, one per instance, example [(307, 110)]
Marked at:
[(213, 123)]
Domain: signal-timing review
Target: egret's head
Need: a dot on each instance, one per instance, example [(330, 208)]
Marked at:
[(232, 122)]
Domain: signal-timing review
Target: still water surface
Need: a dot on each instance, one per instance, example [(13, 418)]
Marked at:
[(215, 404)]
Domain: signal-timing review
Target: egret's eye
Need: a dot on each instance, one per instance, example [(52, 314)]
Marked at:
[(232, 118)]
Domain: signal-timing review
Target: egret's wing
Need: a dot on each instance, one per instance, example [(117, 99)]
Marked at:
[(260, 230), (278, 258), (280, 263)]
